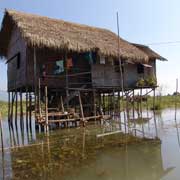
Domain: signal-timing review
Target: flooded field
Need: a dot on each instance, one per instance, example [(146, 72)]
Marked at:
[(78, 154)]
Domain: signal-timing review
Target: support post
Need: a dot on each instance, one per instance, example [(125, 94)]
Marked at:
[(155, 124), (81, 109), (67, 81), (1, 129), (46, 109), (21, 109), (94, 103), (9, 105), (27, 108), (62, 105), (16, 107), (35, 80), (30, 109), (141, 111)]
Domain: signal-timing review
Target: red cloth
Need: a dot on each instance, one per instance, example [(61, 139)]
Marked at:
[(69, 63)]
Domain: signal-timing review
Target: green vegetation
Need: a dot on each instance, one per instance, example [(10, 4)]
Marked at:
[(148, 81), (4, 108), (161, 102)]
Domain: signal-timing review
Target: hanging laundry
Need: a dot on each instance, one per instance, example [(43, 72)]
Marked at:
[(69, 63), (59, 67), (102, 60), (88, 56)]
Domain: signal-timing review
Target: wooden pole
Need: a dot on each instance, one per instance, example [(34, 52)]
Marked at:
[(9, 107), (81, 109), (177, 129), (27, 108), (39, 97), (46, 109), (62, 105), (104, 104), (94, 103), (12, 108), (121, 71), (119, 108), (155, 124), (114, 104), (35, 80), (141, 111), (21, 109), (30, 109), (1, 129), (67, 81), (16, 107), (134, 111)]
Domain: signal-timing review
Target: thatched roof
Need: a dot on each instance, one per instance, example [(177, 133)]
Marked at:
[(44, 32), (149, 52)]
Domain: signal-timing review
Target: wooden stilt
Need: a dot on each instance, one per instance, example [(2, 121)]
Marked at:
[(16, 107), (114, 103), (81, 109), (30, 110), (39, 97), (1, 129), (104, 105), (155, 124), (21, 110), (94, 103), (9, 107), (119, 108), (141, 111), (62, 104), (12, 108), (27, 110), (46, 109), (134, 112)]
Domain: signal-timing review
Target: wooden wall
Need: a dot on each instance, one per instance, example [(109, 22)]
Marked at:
[(16, 77), (105, 75)]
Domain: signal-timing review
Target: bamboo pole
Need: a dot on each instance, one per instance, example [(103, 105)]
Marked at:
[(16, 107), (12, 108), (62, 104), (35, 80), (177, 129), (67, 81), (121, 71), (1, 129), (46, 109), (114, 104), (94, 103), (27, 108), (21, 111), (30, 110), (141, 111), (39, 97), (155, 124), (9, 106), (81, 109), (134, 112)]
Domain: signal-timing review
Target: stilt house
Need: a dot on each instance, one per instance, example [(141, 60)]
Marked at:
[(65, 57)]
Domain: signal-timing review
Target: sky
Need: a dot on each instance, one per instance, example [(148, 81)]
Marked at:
[(141, 21)]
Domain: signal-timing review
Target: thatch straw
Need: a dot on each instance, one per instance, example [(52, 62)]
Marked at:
[(44, 32), (149, 52)]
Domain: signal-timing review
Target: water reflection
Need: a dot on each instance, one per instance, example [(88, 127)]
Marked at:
[(78, 154)]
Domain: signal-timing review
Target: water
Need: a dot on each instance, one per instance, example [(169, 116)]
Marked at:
[(77, 154)]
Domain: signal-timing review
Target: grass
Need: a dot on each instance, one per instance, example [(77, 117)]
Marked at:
[(4, 108)]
